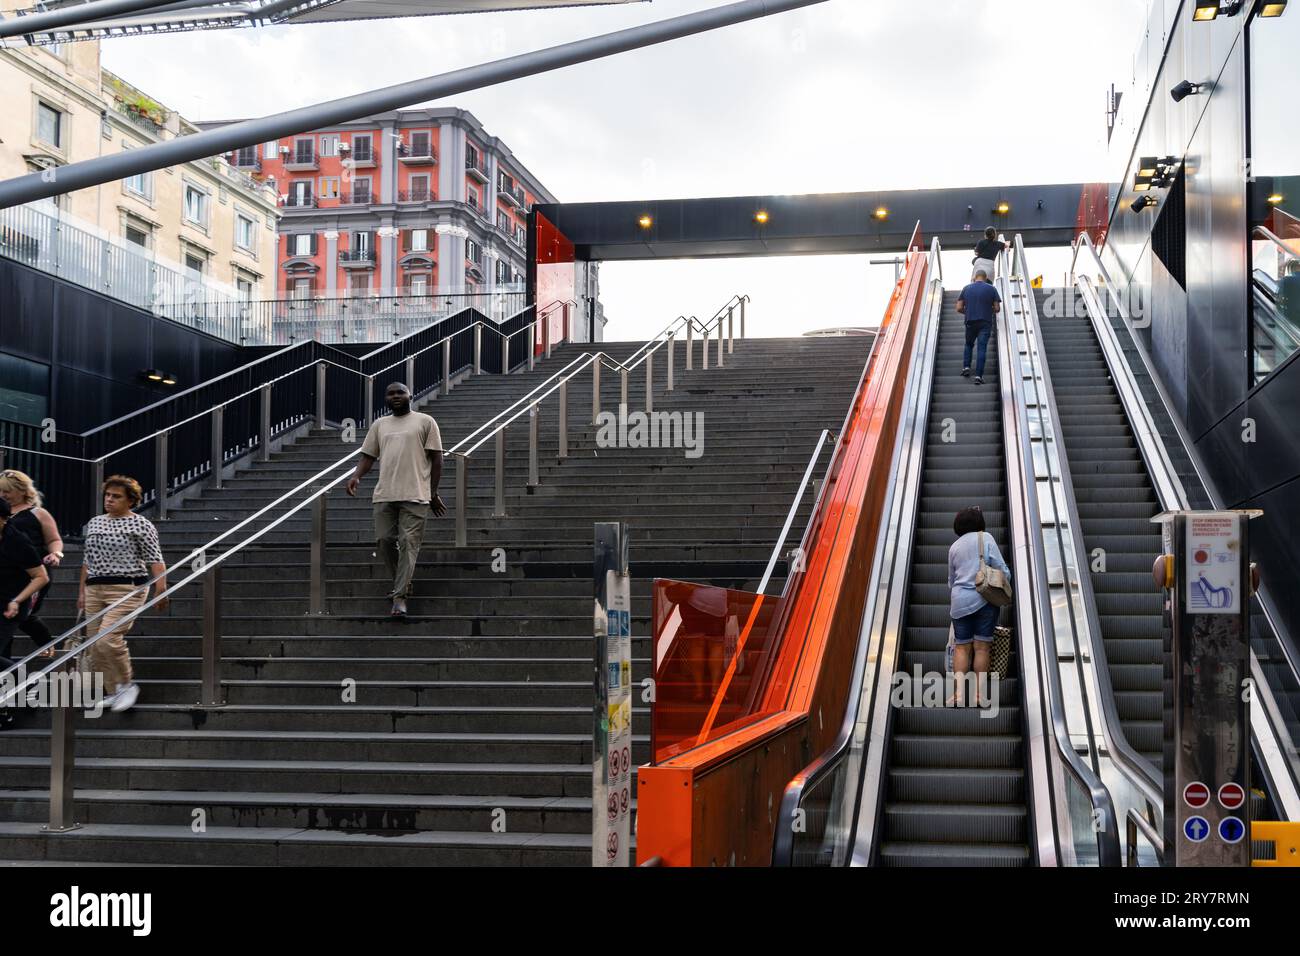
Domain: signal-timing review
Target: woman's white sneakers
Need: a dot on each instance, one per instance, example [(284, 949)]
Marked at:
[(124, 699)]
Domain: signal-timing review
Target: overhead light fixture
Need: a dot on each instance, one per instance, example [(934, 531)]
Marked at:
[(151, 375), (1276, 199), (1149, 166), (760, 217), (1143, 202), (1206, 10), (168, 378), (645, 222), (1185, 89), (1002, 208), (881, 213), (1273, 9), (1141, 184)]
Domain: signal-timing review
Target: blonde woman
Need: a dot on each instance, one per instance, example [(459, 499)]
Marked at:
[(28, 518), (122, 553)]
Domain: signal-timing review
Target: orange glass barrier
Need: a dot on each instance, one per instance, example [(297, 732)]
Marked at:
[(711, 645)]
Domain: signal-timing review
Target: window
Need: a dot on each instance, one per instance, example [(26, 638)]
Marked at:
[(302, 288), (361, 191), (141, 184), (303, 244), (300, 192), (472, 251), (471, 157), (246, 156), (304, 151), (196, 205), (503, 222), (329, 144), (358, 283), (49, 125), (271, 149), (362, 151), (329, 187), (137, 237), (244, 232), (419, 285), (194, 265), (419, 188), (471, 196), (244, 287), (417, 240), (505, 184), (25, 389), (521, 237), (421, 144), (363, 243)]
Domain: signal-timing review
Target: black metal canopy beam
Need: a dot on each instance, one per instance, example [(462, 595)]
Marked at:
[(826, 223)]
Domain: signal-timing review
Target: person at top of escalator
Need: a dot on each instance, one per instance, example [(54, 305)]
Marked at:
[(979, 302), (986, 252), (973, 618)]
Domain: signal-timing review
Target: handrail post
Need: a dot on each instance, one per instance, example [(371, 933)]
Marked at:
[(478, 349), (211, 667), (446, 366), (564, 420), (731, 331), (649, 382), (546, 335), (462, 500), (533, 479), (690, 345), (672, 359), (722, 361), (364, 413), (97, 487), (318, 530), (410, 373), (622, 388), (499, 496), (704, 348), (595, 391), (265, 451), (160, 474), (505, 352), (63, 752), (532, 345), (742, 316), (216, 449), (321, 371)]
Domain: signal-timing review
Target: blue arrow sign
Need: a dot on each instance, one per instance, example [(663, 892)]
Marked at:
[(1196, 829), (1232, 829)]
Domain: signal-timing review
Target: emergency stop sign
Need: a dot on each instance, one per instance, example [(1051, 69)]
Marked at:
[(1196, 795), (1232, 796)]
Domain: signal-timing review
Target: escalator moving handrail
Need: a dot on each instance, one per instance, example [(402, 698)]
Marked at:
[(1108, 852)]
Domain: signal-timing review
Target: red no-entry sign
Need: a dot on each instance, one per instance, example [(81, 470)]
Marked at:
[(1232, 796), (1196, 795)]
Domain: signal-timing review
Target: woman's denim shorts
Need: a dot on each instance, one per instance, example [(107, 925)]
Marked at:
[(977, 626)]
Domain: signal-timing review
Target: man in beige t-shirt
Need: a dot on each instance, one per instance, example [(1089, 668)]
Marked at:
[(408, 447)]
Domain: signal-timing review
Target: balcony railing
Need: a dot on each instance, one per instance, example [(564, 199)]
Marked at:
[(301, 160), (477, 170), (357, 198), (300, 202), (361, 258), (362, 157), (419, 155), (415, 195), (247, 161), (140, 119)]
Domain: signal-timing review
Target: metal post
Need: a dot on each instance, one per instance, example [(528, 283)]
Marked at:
[(160, 474), (364, 414), (622, 388), (216, 450), (63, 748), (742, 317), (97, 487), (546, 336), (462, 500), (410, 373), (321, 371), (533, 479), (499, 500), (722, 361), (595, 390), (446, 366), (265, 451), (690, 345), (318, 530), (532, 345), (505, 353), (564, 420), (649, 382), (564, 333), (211, 667), (672, 348), (731, 330), (478, 349), (704, 348)]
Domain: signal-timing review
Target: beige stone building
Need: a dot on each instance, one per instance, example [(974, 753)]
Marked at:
[(204, 219)]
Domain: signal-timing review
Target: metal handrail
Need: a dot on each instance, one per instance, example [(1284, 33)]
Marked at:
[(794, 507), (1266, 233), (1033, 604), (1136, 823), (861, 683)]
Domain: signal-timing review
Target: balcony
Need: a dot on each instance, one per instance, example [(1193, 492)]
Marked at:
[(247, 159), (301, 161), (420, 154), (514, 197), (152, 120), (477, 171), (356, 198), (357, 259), (363, 158), (415, 195), (299, 202)]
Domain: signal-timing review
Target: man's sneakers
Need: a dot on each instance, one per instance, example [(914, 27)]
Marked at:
[(965, 373), (399, 609), (124, 699), (979, 380)]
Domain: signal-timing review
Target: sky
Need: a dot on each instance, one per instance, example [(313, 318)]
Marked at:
[(842, 96)]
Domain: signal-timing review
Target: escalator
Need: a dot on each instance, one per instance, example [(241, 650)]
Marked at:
[(955, 777)]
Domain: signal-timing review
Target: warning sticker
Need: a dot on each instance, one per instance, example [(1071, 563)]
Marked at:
[(1213, 564)]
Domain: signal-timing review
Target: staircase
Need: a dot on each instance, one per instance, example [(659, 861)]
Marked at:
[(469, 741), (955, 787)]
